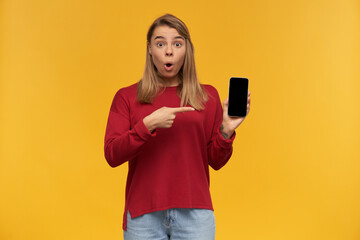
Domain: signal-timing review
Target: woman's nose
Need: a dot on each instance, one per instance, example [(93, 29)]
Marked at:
[(169, 50)]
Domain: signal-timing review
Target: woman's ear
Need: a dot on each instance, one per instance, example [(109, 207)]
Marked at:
[(149, 47)]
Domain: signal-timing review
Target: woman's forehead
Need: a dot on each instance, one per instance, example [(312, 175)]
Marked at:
[(165, 32)]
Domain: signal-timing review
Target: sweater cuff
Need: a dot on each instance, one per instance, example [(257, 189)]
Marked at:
[(142, 131), (225, 143)]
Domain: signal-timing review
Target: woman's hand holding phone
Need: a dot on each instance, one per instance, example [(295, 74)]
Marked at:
[(229, 124)]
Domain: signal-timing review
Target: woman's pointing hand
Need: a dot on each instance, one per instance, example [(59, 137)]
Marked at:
[(163, 117)]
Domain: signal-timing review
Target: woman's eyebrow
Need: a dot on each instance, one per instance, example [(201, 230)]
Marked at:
[(179, 37), (161, 37)]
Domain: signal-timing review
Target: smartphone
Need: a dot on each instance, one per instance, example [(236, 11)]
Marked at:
[(238, 93)]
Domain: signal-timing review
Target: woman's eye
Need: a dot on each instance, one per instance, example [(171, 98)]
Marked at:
[(178, 44), (160, 44)]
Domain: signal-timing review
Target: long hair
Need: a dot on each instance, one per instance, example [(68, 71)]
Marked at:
[(189, 90)]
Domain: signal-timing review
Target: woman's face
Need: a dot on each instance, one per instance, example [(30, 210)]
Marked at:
[(167, 49)]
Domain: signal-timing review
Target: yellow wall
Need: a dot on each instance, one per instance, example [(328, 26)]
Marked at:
[(295, 171)]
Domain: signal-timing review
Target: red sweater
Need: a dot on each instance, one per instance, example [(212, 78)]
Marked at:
[(168, 168)]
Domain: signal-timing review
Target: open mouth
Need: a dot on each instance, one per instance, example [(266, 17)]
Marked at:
[(168, 66)]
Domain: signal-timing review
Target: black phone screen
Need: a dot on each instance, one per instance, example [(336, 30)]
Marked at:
[(238, 92)]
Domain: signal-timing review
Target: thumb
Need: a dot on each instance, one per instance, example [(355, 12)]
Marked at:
[(226, 105)]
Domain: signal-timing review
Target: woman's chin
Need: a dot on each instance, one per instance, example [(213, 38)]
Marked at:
[(168, 76)]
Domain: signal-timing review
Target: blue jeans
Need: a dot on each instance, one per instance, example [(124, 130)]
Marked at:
[(174, 224)]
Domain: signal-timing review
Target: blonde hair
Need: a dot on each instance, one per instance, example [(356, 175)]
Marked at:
[(189, 90)]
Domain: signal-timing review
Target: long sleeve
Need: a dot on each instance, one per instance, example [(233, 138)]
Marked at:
[(219, 149), (122, 143)]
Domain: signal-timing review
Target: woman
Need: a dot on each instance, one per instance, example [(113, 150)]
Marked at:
[(169, 128)]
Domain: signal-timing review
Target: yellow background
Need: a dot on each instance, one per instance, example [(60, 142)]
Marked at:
[(295, 171)]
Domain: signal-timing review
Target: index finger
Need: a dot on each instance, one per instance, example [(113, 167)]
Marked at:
[(182, 109)]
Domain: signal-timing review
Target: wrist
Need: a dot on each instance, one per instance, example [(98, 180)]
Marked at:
[(226, 133), (149, 124)]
